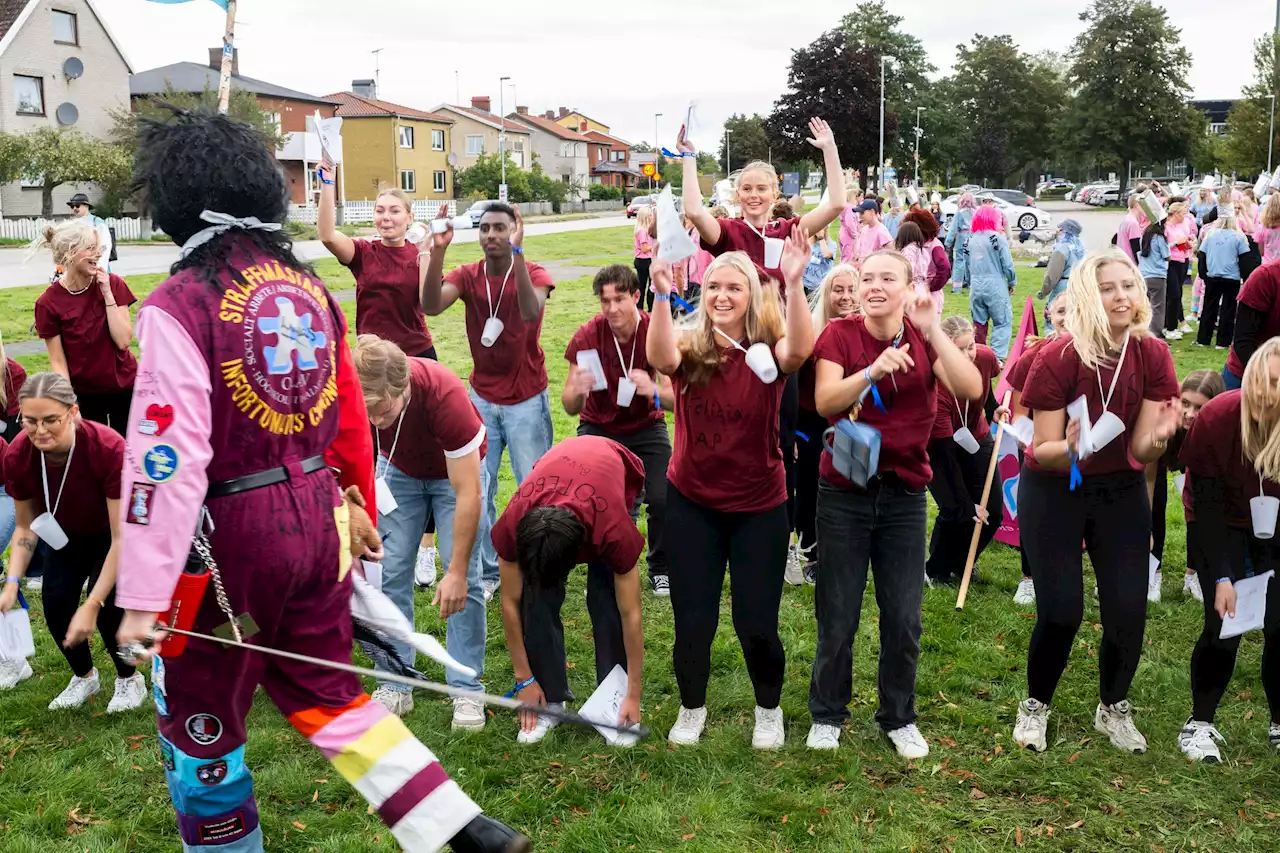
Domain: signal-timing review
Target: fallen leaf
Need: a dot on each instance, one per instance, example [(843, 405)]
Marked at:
[(976, 794), (1073, 757), (1248, 803), (948, 741), (299, 824), (556, 764), (315, 796), (1048, 830), (321, 781), (999, 749), (1248, 715), (824, 811), (1076, 825), (811, 830), (1017, 836), (686, 837), (786, 818)]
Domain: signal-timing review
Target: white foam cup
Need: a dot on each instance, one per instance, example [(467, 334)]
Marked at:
[(1263, 508), (626, 392), (1106, 430), (772, 253), (416, 234), (51, 533), (492, 331), (760, 360), (965, 439), (439, 226)]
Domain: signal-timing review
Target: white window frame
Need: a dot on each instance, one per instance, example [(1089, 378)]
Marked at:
[(437, 140), (39, 82), (411, 185), (75, 27), (406, 134), (475, 145), (438, 181)]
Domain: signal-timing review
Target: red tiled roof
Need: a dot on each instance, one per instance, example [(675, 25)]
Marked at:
[(352, 105), (546, 124), (487, 118), (604, 137)]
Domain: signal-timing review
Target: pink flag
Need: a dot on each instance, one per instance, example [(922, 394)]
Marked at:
[(1026, 327), (1009, 462)]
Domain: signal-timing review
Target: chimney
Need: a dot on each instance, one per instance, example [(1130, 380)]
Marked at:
[(563, 112), (523, 111), (365, 88), (551, 114), (480, 102), (215, 60), (583, 127)]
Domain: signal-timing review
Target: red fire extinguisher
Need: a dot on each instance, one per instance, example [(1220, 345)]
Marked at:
[(187, 596)]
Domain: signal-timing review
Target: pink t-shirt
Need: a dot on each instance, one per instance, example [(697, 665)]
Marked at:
[(1268, 240), (644, 244), (1129, 229), (1179, 235), (872, 238)]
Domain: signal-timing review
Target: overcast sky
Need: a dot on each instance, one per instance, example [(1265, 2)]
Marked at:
[(619, 62)]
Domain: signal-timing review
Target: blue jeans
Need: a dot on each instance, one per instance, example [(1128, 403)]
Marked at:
[(8, 519), (989, 302), (402, 530), (525, 429), (1232, 381)]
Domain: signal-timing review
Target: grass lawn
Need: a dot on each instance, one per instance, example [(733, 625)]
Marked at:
[(81, 781)]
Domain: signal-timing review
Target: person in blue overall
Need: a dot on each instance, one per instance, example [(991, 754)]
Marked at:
[(1067, 252), (991, 278)]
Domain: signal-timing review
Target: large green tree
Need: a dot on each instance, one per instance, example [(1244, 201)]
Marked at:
[(57, 156), (1129, 72), (1245, 146), (242, 106), (747, 140)]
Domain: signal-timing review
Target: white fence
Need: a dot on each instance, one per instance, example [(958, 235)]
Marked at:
[(359, 212), (29, 229)]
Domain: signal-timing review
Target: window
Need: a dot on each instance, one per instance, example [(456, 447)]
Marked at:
[(408, 181), (64, 28), (437, 140), (437, 181), (406, 137), (619, 156), (275, 121), (313, 181), (518, 144), (475, 145), (29, 94)]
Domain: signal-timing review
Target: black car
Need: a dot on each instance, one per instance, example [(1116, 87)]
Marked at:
[(1017, 197)]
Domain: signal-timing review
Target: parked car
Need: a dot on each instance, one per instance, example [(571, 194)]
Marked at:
[(470, 218), (1014, 197), (1021, 217), (638, 202)]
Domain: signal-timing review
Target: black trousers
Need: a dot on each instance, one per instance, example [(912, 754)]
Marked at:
[(1159, 505), (958, 478), (1213, 661), (653, 446), (754, 545), (64, 578), (544, 632), (788, 416), (1219, 295), (1173, 314), (642, 271), (881, 528), (1111, 514), (809, 453), (111, 409)]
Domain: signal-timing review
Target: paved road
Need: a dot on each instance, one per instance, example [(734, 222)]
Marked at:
[(1097, 226), (16, 271)]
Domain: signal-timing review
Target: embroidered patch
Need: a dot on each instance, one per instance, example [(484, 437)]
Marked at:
[(162, 704), (204, 729), (160, 463), (140, 499), (222, 830), (158, 419), (157, 674), (212, 773), (166, 753)]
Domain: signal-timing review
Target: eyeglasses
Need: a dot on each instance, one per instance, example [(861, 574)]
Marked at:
[(50, 423)]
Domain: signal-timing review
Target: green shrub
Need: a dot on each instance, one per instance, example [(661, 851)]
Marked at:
[(604, 192)]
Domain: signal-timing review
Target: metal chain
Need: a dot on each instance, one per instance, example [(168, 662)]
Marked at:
[(201, 545)]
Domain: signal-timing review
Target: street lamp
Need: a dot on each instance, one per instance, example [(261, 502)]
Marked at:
[(656, 146), (727, 162), (1271, 137), (502, 133), (919, 133), (884, 60)]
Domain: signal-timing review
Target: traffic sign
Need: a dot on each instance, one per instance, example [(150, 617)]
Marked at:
[(648, 170)]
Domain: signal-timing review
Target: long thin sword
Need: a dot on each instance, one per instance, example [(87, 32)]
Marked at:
[(514, 705)]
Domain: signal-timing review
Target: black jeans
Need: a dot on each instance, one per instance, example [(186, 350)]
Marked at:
[(958, 478), (754, 545), (1111, 515), (1213, 661), (1159, 505), (653, 446), (110, 409), (544, 632), (884, 527), (788, 416), (1173, 315), (1218, 292), (64, 578), (809, 447), (642, 272)]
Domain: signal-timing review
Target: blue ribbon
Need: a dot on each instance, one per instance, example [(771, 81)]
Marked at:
[(801, 436), (1076, 477), (875, 398), (667, 152), (681, 304)]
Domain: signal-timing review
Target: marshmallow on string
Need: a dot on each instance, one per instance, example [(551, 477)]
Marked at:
[(223, 222)]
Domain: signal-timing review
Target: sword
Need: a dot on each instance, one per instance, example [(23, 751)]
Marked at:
[(130, 652)]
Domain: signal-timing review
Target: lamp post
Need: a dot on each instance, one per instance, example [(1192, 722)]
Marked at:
[(727, 162), (502, 133), (919, 133), (656, 147), (884, 60), (1275, 60)]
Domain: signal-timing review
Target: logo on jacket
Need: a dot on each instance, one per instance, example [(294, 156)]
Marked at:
[(204, 729), (212, 773), (294, 336)]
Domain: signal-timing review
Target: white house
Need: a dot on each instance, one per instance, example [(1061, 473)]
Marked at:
[(562, 152)]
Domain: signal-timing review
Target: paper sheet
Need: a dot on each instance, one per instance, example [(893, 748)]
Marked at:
[(330, 132), (16, 641), (605, 703), (589, 360), (1022, 429), (674, 243), (372, 573), (1079, 410), (1251, 606)]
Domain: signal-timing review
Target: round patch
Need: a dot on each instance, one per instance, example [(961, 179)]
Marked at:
[(204, 729), (160, 463)]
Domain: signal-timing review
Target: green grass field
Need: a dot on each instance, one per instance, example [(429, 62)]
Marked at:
[(81, 781)]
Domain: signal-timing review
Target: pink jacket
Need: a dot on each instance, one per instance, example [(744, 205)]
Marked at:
[(644, 244)]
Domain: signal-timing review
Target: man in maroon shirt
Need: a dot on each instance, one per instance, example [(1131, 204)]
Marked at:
[(629, 408), (503, 297), (574, 507)]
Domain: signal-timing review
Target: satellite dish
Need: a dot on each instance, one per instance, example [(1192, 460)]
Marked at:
[(73, 68), (453, 160), (67, 114)]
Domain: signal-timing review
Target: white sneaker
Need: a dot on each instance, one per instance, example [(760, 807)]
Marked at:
[(769, 732), (1153, 587), (823, 736), (909, 742), (1196, 740), (424, 569), (1116, 723), (130, 693), (13, 673), (544, 725), (1191, 586), (794, 573), (1173, 336), (1026, 592), (689, 725), (79, 691), (490, 589), (1032, 725), (35, 585), (398, 702), (468, 713), (1186, 327)]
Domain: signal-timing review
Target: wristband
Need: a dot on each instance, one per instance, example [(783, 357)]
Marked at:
[(661, 297), (657, 403), (866, 374), (516, 250), (1225, 580), (323, 179), (520, 685), (688, 154), (13, 579)]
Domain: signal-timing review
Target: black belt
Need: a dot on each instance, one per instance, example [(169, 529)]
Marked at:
[(262, 479)]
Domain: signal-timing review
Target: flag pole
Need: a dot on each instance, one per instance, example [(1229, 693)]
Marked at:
[(986, 493), (228, 51)]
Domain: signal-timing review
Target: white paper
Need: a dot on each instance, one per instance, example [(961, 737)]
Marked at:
[(1078, 410), (372, 573), (1251, 606), (330, 132), (589, 360), (674, 243), (374, 608), (16, 642), (1179, 480), (382, 495), (605, 704), (1023, 430)]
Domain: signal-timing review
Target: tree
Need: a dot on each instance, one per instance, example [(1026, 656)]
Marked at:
[(839, 82), (643, 147), (485, 176), (707, 164), (747, 140), (1244, 147), (242, 106), (945, 131), (1129, 72), (60, 156)]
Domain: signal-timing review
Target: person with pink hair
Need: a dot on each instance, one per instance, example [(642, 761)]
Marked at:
[(991, 278)]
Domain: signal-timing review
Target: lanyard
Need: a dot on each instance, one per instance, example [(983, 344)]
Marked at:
[(493, 312), (718, 332), (1106, 401), (44, 476), (875, 392), (634, 335), (377, 441), (965, 422)]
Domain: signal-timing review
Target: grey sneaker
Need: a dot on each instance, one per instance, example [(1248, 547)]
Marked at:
[(1197, 742), (1116, 723), (1033, 725)]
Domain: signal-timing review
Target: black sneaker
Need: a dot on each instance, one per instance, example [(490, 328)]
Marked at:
[(661, 587), (811, 574), (486, 835)]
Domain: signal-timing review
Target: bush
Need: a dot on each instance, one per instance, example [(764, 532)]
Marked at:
[(604, 192), (301, 230)]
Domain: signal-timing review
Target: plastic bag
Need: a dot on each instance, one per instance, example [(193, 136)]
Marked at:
[(376, 612), (674, 243), (16, 641)]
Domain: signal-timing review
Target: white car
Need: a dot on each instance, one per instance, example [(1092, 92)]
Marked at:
[(1020, 218)]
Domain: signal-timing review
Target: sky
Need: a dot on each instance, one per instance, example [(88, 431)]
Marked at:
[(619, 62)]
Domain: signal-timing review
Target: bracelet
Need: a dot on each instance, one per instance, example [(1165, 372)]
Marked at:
[(13, 579), (1226, 580), (110, 304), (520, 685), (517, 250), (661, 297), (89, 599), (684, 154), (657, 402), (866, 374)]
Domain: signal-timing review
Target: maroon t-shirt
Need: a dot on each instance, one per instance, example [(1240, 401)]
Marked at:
[(1215, 448), (1058, 377), (911, 407), (601, 407), (514, 368), (95, 364), (951, 411), (737, 236), (727, 454), (596, 479), (1261, 293), (1022, 367), (14, 377), (387, 300), (439, 421), (93, 479)]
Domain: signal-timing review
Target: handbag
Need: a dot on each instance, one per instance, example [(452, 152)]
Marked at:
[(854, 448)]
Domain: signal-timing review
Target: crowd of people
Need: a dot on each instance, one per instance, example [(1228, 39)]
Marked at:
[(817, 394)]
